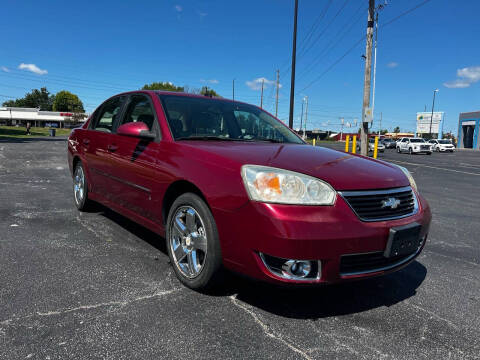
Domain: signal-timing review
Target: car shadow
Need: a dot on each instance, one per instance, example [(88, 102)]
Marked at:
[(334, 300), (303, 302)]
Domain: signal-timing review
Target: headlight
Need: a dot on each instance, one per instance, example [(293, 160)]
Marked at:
[(272, 185), (409, 176)]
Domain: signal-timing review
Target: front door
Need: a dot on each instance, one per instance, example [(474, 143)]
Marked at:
[(134, 162)]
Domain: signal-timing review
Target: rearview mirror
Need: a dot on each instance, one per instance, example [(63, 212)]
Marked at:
[(136, 129)]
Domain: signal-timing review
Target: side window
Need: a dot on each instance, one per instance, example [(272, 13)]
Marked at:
[(405, 140), (139, 110), (108, 114)]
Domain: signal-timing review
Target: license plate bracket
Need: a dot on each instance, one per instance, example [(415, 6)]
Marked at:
[(403, 240)]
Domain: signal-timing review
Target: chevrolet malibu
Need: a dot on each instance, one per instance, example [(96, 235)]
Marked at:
[(231, 187)]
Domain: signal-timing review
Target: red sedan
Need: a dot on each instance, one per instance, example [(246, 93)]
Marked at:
[(229, 186)]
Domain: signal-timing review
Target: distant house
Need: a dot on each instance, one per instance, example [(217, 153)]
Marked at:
[(36, 117)]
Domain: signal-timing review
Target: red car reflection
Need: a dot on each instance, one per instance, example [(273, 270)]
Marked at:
[(230, 187)]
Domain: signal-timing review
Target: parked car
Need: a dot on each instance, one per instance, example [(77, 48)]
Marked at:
[(389, 143), (414, 146), (231, 187), (371, 145), (442, 145)]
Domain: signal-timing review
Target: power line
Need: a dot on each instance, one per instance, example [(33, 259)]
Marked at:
[(359, 41)]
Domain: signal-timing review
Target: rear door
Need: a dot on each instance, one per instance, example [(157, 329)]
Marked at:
[(99, 151), (134, 169)]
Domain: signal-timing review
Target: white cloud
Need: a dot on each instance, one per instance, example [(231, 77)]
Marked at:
[(392, 64), (5, 69), (32, 68), (465, 77), (210, 81), (457, 84), (471, 73), (178, 8), (256, 84)]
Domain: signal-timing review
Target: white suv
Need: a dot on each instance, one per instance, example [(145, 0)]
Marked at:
[(414, 146), (442, 145)]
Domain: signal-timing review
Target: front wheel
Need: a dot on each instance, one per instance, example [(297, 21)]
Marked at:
[(193, 242), (398, 150), (410, 151)]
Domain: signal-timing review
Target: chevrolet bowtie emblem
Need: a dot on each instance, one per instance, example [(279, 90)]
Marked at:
[(392, 203)]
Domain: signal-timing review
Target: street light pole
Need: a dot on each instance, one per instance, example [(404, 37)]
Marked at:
[(431, 118), (294, 55)]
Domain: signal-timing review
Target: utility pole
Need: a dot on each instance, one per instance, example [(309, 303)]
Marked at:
[(276, 101), (301, 116), (294, 55), (341, 129), (306, 116), (433, 105), (233, 90), (261, 98), (367, 78), (380, 129)]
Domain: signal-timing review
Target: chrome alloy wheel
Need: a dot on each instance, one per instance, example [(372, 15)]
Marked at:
[(79, 185), (188, 241)]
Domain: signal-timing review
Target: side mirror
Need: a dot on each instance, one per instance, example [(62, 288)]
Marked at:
[(136, 129)]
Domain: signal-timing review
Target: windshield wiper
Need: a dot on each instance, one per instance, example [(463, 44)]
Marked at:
[(205, 137), (267, 139)]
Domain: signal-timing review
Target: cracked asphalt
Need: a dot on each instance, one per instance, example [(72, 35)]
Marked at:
[(97, 286)]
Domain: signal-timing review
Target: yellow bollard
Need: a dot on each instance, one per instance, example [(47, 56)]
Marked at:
[(347, 140), (354, 144), (313, 141), (375, 149)]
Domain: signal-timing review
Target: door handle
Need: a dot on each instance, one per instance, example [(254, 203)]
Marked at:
[(112, 148), (86, 141)]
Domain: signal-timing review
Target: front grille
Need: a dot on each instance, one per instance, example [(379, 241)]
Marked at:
[(424, 147), (382, 204), (371, 262)]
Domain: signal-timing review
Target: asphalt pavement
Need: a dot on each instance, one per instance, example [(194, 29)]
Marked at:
[(97, 286)]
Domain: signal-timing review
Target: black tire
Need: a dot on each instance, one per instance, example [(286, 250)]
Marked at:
[(398, 149), (211, 271), (410, 151), (429, 153), (83, 203)]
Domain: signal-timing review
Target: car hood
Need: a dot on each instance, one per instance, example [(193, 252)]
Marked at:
[(342, 170)]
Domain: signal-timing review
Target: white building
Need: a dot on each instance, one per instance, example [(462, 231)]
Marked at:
[(36, 117)]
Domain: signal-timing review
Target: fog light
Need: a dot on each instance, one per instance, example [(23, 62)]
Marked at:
[(297, 268), (291, 269)]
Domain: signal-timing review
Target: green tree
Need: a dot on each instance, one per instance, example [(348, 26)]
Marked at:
[(396, 130), (163, 85), (37, 98), (205, 91), (66, 101)]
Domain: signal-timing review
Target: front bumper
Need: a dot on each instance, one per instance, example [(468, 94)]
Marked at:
[(322, 234)]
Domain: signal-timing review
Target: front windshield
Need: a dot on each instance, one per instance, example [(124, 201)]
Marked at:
[(417, 140), (214, 119), (444, 142)]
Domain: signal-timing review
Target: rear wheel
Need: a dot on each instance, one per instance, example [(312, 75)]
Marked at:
[(80, 189), (429, 153), (193, 243)]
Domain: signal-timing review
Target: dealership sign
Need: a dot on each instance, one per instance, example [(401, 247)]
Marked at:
[(424, 119)]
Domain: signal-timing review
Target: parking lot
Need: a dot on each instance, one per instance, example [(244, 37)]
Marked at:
[(95, 285)]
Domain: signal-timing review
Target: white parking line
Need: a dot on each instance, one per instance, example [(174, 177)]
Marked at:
[(435, 167)]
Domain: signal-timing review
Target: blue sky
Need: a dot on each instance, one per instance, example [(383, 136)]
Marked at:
[(97, 49)]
